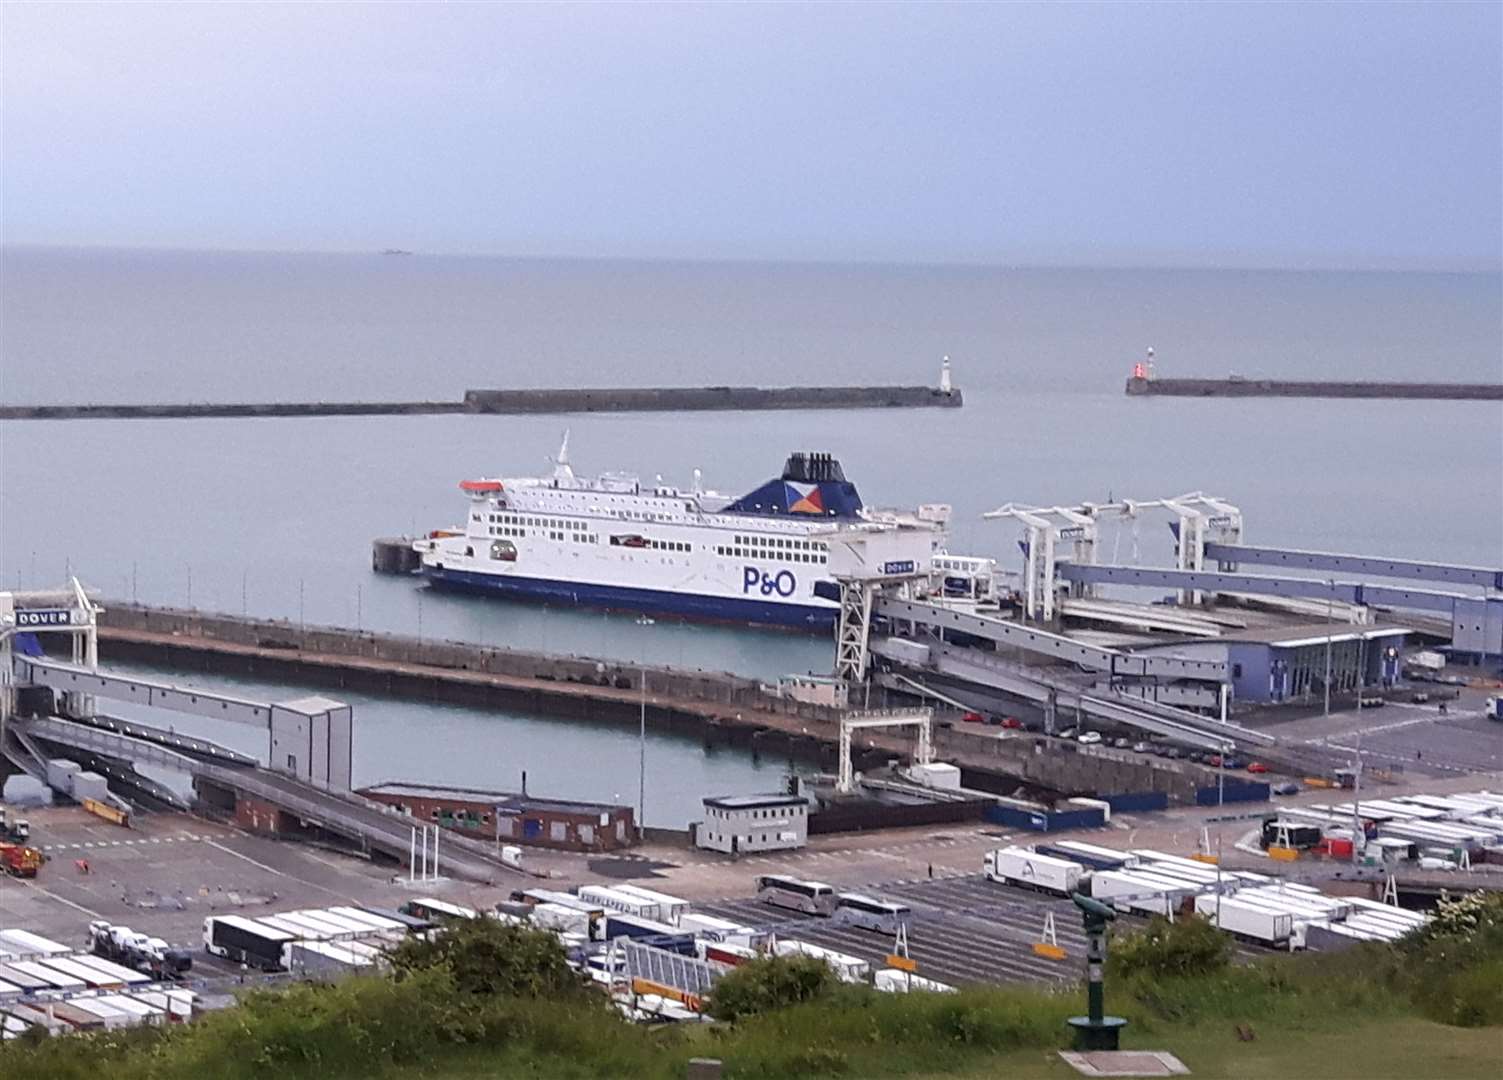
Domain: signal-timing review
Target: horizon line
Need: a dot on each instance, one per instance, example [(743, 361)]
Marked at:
[(1374, 264)]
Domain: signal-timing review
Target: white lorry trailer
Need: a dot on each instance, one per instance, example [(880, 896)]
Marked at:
[(1029, 869)]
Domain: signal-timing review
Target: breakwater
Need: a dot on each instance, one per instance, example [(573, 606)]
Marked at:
[(514, 402), (1240, 387)]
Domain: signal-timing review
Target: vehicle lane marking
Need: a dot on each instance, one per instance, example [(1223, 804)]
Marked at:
[(247, 858)]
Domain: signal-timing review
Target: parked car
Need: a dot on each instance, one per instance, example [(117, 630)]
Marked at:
[(1090, 738), (1233, 763), (1256, 767), (1012, 722), (973, 718), (1372, 701), (1141, 747), (1068, 733), (1213, 760), (1419, 697), (1175, 753), (1288, 787), (1121, 743)]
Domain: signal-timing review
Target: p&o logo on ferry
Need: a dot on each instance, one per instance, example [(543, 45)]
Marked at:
[(783, 583)]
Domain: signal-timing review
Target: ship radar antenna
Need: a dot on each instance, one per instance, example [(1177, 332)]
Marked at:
[(944, 376), (563, 449), (698, 482), (1150, 361)]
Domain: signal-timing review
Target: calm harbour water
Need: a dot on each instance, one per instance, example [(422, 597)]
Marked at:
[(275, 517)]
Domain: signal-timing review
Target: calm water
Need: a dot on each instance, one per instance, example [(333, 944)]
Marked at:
[(275, 516), (440, 744)]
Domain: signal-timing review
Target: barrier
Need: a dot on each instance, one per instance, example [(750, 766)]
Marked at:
[(1045, 820), (1138, 800), (1233, 791), (109, 813)]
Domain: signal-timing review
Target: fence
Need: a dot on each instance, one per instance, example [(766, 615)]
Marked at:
[(1138, 800), (1233, 791), (1045, 820)]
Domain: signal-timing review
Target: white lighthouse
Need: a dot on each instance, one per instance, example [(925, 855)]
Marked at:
[(944, 377)]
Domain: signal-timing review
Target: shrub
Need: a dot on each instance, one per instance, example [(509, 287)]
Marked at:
[(768, 983), (488, 956), (1164, 949)]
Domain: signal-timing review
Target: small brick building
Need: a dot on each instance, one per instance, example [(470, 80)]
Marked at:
[(515, 819)]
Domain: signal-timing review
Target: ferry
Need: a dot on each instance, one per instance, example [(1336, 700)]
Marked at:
[(614, 542)]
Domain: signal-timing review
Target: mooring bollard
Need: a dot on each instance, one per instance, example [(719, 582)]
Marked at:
[(1096, 1030)]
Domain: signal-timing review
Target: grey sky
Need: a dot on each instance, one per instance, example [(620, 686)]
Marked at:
[(1274, 134)]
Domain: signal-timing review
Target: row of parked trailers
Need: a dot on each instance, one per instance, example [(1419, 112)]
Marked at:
[(46, 984), (1250, 905), (315, 943), (592, 918), (1465, 826)]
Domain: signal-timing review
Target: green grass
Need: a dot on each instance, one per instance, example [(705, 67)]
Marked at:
[(465, 1010)]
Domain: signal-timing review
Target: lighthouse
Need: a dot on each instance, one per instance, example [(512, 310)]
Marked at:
[(944, 378)]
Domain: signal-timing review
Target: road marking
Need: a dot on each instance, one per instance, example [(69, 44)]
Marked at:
[(247, 858), (31, 884)]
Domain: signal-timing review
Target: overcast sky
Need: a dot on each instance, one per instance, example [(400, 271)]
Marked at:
[(1266, 134)]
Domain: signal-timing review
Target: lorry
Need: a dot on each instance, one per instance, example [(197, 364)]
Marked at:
[(13, 829), (20, 861), (1246, 920), (149, 955), (245, 941), (1019, 866), (1493, 709)]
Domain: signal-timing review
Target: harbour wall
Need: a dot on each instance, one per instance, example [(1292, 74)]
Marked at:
[(718, 707), (540, 401), (709, 398), (1238, 387)]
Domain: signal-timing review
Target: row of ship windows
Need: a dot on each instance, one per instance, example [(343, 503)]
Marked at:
[(764, 553), (779, 543), (577, 537)]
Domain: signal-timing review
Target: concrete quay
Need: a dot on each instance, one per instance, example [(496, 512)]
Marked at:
[(718, 707), (1138, 386)]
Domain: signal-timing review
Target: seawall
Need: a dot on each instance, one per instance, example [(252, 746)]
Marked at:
[(710, 398), (718, 707), (542, 401), (1238, 387)]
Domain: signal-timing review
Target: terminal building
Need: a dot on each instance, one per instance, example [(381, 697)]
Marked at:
[(512, 818), (737, 824)]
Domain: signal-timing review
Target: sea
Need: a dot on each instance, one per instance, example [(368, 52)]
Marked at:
[(275, 517)]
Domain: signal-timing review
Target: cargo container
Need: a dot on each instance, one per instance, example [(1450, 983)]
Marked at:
[(1091, 856), (893, 981), (620, 924), (1141, 891), (143, 1012), (113, 1016), (25, 944), (55, 979), (379, 923), (436, 911), (711, 928), (117, 974), (551, 916), (28, 982), (1029, 869), (726, 952), (321, 960), (1246, 920), (245, 941), (851, 969), (670, 908), (622, 901), (413, 924)]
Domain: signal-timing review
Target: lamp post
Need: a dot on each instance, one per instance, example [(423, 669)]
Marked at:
[(1330, 603), (642, 753)]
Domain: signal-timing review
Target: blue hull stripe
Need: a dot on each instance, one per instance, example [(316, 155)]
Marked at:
[(651, 601)]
